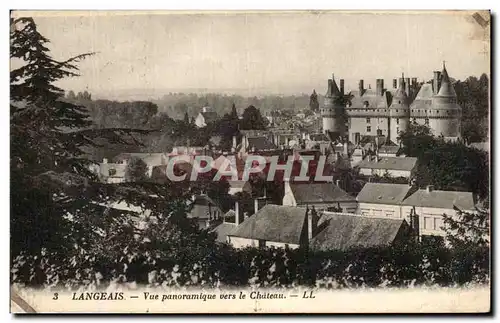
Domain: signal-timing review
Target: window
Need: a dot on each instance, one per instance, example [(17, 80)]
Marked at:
[(368, 120), (397, 120), (414, 119), (112, 172), (428, 223), (368, 129), (438, 223), (426, 121), (379, 132), (396, 110)]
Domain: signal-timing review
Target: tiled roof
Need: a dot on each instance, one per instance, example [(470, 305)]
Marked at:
[(274, 223), (383, 193), (319, 193), (342, 232), (441, 199), (423, 98), (260, 143), (392, 163)]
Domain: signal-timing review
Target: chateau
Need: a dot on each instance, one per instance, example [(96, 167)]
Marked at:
[(385, 113)]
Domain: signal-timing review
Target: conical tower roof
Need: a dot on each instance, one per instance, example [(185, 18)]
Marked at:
[(333, 89), (446, 88), (400, 96)]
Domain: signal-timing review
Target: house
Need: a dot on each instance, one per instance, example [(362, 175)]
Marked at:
[(391, 166), (323, 196), (272, 226), (430, 205), (205, 211), (151, 159), (388, 150), (205, 117), (112, 172), (382, 199), (338, 231), (298, 227)]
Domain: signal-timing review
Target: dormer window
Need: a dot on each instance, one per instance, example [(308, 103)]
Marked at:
[(366, 104)]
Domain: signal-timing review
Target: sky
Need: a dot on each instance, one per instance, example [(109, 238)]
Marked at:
[(150, 54)]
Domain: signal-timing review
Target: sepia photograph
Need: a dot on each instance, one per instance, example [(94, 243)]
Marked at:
[(250, 162)]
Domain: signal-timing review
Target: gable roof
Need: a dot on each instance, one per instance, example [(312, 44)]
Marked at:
[(274, 223), (393, 163), (260, 143), (441, 199), (319, 193), (342, 232), (209, 116), (383, 193), (223, 230)]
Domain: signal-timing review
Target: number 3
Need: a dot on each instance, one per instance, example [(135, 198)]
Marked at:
[(56, 296)]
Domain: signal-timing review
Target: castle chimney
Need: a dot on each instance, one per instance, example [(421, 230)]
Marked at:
[(361, 87), (395, 83), (380, 87), (402, 83), (341, 86), (414, 82), (407, 86), (436, 82)]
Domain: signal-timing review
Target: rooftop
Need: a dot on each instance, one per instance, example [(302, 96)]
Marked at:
[(441, 199), (392, 163), (383, 193), (319, 193), (342, 232), (274, 223)]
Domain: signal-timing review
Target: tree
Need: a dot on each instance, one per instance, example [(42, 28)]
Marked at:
[(468, 229), (57, 214), (71, 95), (313, 101), (416, 140), (252, 119), (186, 118), (136, 170)]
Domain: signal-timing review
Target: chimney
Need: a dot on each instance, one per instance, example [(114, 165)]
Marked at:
[(312, 222), (380, 87), (342, 86), (414, 225), (429, 188), (104, 160), (330, 85), (395, 83), (361, 87), (407, 85), (237, 211), (234, 142), (414, 82), (436, 82), (402, 83)]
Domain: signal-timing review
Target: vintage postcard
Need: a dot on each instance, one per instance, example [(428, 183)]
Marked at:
[(250, 162)]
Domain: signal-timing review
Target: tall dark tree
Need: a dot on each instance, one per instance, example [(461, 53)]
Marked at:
[(234, 113), (252, 119), (57, 213), (186, 118)]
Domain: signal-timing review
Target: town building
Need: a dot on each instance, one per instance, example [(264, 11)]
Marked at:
[(386, 113), (205, 117), (321, 196), (374, 165), (400, 200), (205, 211), (112, 173)]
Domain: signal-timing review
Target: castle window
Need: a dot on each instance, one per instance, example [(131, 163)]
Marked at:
[(379, 132), (397, 120), (414, 119), (368, 120), (399, 102), (396, 110), (366, 104), (426, 121), (368, 129)]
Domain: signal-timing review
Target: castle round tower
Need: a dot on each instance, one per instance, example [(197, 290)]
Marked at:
[(332, 111), (444, 115), (399, 112)]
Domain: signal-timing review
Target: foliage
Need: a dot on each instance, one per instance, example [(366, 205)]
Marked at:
[(136, 170), (252, 119), (467, 229)]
